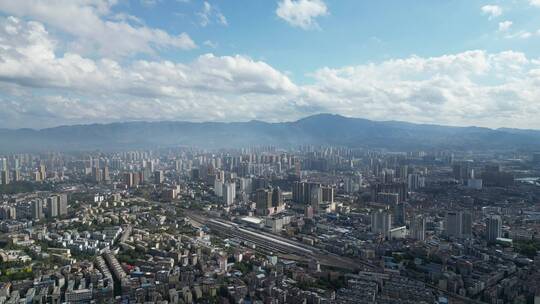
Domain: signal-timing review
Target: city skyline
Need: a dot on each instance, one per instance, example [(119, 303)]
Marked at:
[(465, 63), (270, 151)]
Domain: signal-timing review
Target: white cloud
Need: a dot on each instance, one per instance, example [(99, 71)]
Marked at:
[(505, 26), (42, 87), (451, 89), (209, 87), (211, 14), (29, 59), (522, 35), (210, 44), (95, 28), (301, 13), (534, 2), (492, 11)]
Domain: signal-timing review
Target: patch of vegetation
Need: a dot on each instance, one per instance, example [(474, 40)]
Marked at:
[(24, 187), (324, 283), (130, 256), (527, 248), (243, 267), (16, 274)]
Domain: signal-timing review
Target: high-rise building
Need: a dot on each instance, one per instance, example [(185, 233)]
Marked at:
[(128, 179), (388, 175), (297, 169), (466, 224), (42, 172), (308, 193), (458, 224), (315, 197), (62, 204), (418, 228), (16, 175), (381, 222), (493, 228), (298, 192), (4, 177), (268, 200), (277, 197), (52, 207), (229, 193), (246, 185), (159, 177), (453, 225), (8, 212), (415, 182), (263, 201), (403, 172), (137, 178), (96, 174), (328, 194), (218, 187), (399, 188), (399, 214), (37, 209), (463, 171), (3, 164), (105, 174)]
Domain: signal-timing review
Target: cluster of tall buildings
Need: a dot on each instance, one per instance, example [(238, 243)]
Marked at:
[(381, 222), (268, 201), (7, 175), (389, 192), (52, 207), (458, 224), (101, 174), (418, 228), (312, 194), (225, 189)]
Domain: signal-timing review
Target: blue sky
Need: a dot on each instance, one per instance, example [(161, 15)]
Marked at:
[(446, 62), (353, 32)]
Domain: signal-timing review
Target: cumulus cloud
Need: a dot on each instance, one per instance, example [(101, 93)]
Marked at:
[(207, 88), (29, 59), (42, 87), (534, 3), (96, 29), (451, 89), (505, 26), (492, 11), (301, 13)]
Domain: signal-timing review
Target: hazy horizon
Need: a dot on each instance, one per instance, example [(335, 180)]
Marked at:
[(263, 121)]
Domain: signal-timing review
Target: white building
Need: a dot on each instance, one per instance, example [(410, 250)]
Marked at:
[(381, 222), (229, 193)]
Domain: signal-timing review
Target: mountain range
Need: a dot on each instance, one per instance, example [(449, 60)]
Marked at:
[(321, 129)]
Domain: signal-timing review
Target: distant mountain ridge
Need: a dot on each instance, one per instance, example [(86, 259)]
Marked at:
[(321, 129)]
